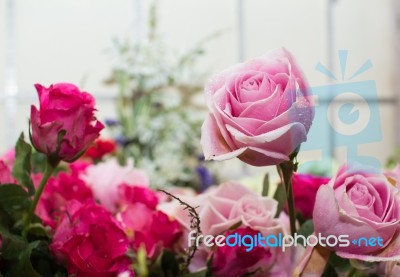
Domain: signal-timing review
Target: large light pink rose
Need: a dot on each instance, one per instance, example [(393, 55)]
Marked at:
[(260, 111), (104, 179), (63, 107), (360, 204)]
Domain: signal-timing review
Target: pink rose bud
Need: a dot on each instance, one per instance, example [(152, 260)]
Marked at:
[(363, 208), (260, 111), (64, 109), (305, 187)]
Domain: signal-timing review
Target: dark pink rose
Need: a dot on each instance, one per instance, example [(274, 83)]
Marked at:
[(79, 167), (63, 107), (360, 204), (305, 187), (136, 194), (260, 111), (5, 174), (236, 261), (150, 228), (56, 195), (90, 242), (101, 148)]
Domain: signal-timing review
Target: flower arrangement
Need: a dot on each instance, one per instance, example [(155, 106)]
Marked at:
[(69, 208)]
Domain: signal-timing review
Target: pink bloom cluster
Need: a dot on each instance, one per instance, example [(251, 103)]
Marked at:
[(95, 221)]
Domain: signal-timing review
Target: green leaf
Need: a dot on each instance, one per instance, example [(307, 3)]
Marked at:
[(24, 266), (22, 165), (39, 230), (12, 246), (280, 196), (169, 264), (307, 228), (265, 185), (13, 198), (339, 263)]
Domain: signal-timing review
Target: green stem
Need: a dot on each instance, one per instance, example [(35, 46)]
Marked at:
[(287, 169), (50, 166)]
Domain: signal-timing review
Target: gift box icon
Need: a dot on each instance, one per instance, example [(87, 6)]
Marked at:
[(346, 115)]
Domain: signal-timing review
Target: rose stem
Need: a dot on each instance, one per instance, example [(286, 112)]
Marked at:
[(50, 166), (287, 168)]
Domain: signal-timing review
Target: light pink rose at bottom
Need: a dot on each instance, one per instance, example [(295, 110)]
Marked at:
[(360, 204), (220, 208)]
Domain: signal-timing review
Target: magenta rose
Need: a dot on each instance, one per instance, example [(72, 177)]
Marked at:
[(236, 261), (146, 226), (5, 174), (56, 195), (260, 111), (136, 194), (64, 108), (360, 204), (305, 187), (149, 228), (91, 243)]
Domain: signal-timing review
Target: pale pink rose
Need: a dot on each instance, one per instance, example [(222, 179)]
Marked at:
[(104, 179), (220, 208), (63, 107), (260, 111), (360, 204)]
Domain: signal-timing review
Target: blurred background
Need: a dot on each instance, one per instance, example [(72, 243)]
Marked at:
[(106, 46)]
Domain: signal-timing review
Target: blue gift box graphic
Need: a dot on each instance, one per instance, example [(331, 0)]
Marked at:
[(346, 115)]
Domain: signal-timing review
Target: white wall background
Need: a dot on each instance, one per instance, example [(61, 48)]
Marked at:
[(66, 40)]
